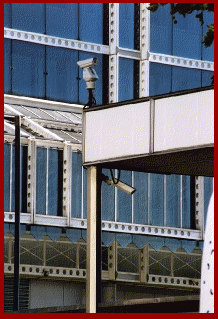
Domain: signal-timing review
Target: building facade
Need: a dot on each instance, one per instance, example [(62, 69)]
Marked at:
[(139, 54)]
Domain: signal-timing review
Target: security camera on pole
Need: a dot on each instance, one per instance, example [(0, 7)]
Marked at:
[(90, 76)]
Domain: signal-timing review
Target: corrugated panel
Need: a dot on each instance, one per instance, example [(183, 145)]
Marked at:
[(8, 294)]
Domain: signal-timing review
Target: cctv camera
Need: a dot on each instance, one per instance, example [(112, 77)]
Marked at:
[(87, 63), (120, 185), (89, 74)]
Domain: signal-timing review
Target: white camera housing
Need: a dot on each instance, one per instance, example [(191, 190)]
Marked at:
[(89, 74), (120, 185)]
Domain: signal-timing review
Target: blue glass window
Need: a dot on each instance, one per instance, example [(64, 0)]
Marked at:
[(160, 79), (7, 156), (7, 15), (83, 92), (161, 30), (207, 78), (141, 198), (126, 25), (184, 78), (41, 172), (208, 53), (187, 37), (28, 17), (9, 178), (126, 84), (124, 201), (61, 78), (84, 193), (156, 206), (49, 182), (7, 65), (62, 20), (173, 200), (186, 208), (76, 185), (208, 190), (28, 77), (108, 199), (91, 22)]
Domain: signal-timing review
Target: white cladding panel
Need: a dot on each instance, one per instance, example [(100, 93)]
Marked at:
[(117, 132), (184, 121)]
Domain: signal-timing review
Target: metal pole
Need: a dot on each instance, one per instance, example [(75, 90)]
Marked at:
[(93, 278), (98, 240), (17, 214)]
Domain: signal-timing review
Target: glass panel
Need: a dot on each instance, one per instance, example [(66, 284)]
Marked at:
[(108, 197), (156, 213), (34, 17), (62, 20), (7, 65), (41, 171), (126, 69), (208, 190), (186, 208), (126, 25), (76, 185), (7, 15), (140, 198), (208, 53), (160, 79), (91, 22), (28, 69), (52, 182), (207, 78), (187, 36), (84, 193), (161, 30), (7, 159), (23, 177), (83, 92), (13, 180), (173, 200), (61, 81), (124, 200), (183, 79)]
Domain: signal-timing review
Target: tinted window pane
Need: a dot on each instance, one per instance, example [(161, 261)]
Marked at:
[(61, 81), (28, 69), (83, 92), (7, 65), (173, 200), (124, 201), (23, 179), (207, 78), (126, 69), (187, 37), (7, 15), (184, 79), (52, 182), (161, 30), (84, 193), (156, 213), (34, 17), (41, 164), (208, 53), (160, 79), (108, 203), (126, 25), (7, 158), (208, 189), (91, 22), (141, 198), (186, 209), (62, 20), (76, 185)]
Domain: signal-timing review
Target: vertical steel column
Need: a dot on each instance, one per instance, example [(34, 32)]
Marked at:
[(93, 279), (17, 214)]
